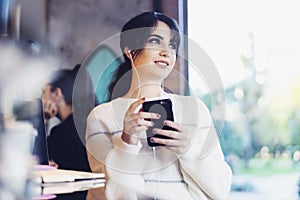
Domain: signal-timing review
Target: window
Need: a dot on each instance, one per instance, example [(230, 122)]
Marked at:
[(254, 46)]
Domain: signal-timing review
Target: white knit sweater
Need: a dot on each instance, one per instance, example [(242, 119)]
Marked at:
[(199, 173)]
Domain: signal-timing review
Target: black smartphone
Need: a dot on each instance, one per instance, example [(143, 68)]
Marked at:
[(164, 108)]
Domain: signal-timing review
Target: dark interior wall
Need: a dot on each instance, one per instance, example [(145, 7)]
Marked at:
[(23, 21), (33, 20), (70, 29), (76, 27), (170, 7)]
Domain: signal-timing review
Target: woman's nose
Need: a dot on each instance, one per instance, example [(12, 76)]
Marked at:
[(164, 52)]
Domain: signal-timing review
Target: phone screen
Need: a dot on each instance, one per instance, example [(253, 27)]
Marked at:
[(164, 108)]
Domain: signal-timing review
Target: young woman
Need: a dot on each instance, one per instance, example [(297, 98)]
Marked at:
[(190, 164)]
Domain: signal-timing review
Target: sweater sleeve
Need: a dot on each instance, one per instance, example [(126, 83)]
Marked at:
[(107, 153), (105, 147), (202, 165)]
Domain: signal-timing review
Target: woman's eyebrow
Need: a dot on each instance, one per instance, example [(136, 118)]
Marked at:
[(158, 36)]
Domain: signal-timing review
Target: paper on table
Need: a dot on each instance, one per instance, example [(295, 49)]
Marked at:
[(60, 175)]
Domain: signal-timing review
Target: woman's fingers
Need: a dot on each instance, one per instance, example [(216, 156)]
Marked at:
[(177, 143), (173, 125), (142, 122), (144, 115), (135, 104), (135, 129), (50, 108), (166, 142), (167, 133), (177, 140), (131, 110), (135, 122)]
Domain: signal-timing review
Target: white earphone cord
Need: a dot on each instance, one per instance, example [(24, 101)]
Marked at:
[(133, 68), (158, 178)]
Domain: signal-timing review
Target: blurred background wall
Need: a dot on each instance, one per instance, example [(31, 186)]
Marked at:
[(71, 29)]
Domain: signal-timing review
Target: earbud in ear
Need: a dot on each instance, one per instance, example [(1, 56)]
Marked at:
[(130, 56)]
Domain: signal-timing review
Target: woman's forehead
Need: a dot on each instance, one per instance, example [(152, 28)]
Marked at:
[(162, 29)]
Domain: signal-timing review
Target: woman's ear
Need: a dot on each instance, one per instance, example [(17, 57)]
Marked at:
[(128, 52), (58, 93)]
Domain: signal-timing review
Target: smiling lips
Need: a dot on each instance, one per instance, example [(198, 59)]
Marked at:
[(162, 63)]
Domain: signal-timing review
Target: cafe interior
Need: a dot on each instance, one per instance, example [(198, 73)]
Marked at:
[(226, 55), (38, 37)]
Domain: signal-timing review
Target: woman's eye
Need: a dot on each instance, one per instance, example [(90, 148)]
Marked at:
[(154, 41), (173, 46)]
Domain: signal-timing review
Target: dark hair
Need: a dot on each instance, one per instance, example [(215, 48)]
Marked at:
[(134, 35), (64, 79)]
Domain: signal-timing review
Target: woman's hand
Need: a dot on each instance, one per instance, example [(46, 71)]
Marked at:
[(134, 122), (180, 139), (50, 109), (53, 164)]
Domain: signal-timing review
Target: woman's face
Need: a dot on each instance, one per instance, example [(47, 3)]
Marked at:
[(158, 57), (47, 94)]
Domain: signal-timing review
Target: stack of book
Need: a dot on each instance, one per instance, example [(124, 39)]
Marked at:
[(48, 180)]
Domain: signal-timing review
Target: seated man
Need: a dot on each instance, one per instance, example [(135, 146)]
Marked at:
[(66, 145)]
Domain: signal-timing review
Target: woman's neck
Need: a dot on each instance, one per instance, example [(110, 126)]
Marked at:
[(64, 112), (144, 86), (148, 90)]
